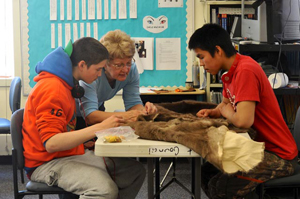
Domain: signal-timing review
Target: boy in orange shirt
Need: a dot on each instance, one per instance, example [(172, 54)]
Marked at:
[(53, 149)]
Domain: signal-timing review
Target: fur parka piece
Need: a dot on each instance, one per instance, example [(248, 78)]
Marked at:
[(215, 140)]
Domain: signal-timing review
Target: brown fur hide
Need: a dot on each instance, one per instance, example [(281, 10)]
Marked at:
[(177, 122)]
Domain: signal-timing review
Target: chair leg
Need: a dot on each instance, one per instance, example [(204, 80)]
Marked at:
[(40, 196), (295, 190), (261, 190)]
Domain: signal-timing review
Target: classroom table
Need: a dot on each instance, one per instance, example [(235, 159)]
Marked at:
[(151, 149), (170, 96)]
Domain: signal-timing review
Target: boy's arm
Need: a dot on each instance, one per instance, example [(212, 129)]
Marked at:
[(244, 115), (68, 140), (213, 113)]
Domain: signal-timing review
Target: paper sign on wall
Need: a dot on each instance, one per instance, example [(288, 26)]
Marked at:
[(144, 52), (155, 25), (168, 55)]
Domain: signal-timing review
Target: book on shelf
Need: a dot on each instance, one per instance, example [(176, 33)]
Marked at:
[(214, 15), (224, 21), (235, 30)]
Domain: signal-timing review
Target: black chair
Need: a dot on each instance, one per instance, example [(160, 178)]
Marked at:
[(293, 181), (32, 188), (14, 103)]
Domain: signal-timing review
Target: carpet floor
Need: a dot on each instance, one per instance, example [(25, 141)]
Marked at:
[(173, 191)]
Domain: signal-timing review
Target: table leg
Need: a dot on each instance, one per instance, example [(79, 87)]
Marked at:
[(196, 177), (150, 178), (157, 177)]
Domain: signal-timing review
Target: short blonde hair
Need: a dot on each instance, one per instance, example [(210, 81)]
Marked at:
[(118, 44)]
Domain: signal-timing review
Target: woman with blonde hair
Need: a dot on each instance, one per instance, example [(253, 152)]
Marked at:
[(119, 73)]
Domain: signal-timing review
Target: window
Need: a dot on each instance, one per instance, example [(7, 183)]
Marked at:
[(6, 39)]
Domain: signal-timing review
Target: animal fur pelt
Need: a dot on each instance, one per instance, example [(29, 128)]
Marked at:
[(177, 122)]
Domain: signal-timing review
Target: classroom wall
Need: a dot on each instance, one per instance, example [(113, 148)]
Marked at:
[(113, 104)]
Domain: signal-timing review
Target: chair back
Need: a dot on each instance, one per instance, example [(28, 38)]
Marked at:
[(17, 136), (296, 132), (15, 94)]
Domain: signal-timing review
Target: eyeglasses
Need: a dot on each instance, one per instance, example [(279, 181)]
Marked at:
[(122, 65)]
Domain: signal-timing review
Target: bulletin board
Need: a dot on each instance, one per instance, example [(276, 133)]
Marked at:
[(41, 32)]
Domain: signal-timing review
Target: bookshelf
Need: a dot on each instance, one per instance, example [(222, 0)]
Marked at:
[(226, 7), (221, 12)]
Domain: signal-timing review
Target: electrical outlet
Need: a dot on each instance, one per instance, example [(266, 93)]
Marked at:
[(170, 3)]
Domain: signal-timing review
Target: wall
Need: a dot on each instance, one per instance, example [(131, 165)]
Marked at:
[(115, 103)]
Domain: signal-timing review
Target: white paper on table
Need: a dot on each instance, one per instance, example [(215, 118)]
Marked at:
[(105, 9), (59, 34), (67, 33), (168, 54), (88, 29), (81, 30), (144, 46), (62, 10), (99, 9), (122, 9), (52, 35), (75, 31), (91, 9), (53, 10), (133, 9), (113, 9), (146, 90), (95, 24), (83, 9), (76, 10), (69, 9)]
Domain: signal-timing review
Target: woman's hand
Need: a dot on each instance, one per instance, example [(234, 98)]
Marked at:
[(131, 116), (150, 108)]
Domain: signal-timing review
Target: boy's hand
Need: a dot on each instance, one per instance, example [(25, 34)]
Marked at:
[(89, 144), (112, 121), (213, 113), (204, 113)]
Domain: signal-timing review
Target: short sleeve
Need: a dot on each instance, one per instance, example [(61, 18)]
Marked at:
[(247, 87), (89, 102), (131, 92)]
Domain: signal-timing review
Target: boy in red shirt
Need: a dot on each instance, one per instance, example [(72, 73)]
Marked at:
[(53, 149), (248, 101)]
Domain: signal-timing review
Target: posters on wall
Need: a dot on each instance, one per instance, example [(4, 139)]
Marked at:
[(44, 31)]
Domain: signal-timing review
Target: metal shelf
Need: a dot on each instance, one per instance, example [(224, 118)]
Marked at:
[(216, 85), (263, 47)]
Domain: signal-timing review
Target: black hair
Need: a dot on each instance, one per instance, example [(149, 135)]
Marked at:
[(209, 36), (89, 50)]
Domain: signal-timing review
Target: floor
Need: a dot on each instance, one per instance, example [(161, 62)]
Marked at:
[(173, 191)]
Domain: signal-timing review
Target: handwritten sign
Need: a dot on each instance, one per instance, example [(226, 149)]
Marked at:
[(166, 150)]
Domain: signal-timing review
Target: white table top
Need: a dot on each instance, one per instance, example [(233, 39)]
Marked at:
[(143, 148)]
